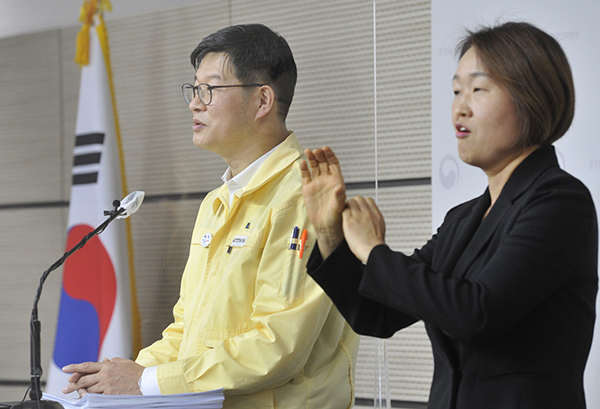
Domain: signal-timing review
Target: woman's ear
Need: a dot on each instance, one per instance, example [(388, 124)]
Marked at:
[(266, 101)]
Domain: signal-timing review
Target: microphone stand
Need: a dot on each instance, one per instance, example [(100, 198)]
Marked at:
[(35, 393)]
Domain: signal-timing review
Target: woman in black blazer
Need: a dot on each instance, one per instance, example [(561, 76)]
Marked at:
[(507, 285)]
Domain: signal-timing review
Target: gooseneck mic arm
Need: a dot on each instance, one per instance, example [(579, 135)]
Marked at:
[(131, 203), (36, 370)]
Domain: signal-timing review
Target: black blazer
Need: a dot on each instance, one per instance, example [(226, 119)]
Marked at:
[(508, 302)]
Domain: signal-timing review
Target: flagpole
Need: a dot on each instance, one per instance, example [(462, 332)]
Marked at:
[(136, 339)]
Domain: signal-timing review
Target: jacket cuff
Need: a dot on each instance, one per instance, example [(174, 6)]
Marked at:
[(171, 378)]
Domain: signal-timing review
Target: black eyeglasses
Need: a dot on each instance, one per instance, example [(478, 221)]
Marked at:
[(204, 91)]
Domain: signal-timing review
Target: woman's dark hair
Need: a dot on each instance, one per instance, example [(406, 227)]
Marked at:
[(535, 70), (256, 54)]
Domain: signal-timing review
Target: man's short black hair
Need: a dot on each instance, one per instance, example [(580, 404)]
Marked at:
[(256, 54)]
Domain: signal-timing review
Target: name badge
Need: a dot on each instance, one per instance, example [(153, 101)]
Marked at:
[(239, 241), (206, 239)]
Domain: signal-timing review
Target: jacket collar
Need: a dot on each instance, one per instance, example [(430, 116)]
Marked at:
[(286, 153), (528, 171)]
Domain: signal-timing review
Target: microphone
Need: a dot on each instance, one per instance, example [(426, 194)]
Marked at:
[(129, 205)]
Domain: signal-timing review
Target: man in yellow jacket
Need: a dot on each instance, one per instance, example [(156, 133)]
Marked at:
[(248, 318)]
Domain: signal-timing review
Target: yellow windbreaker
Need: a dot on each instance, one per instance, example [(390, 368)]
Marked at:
[(249, 319)]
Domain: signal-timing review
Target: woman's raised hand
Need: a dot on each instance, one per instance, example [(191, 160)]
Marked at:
[(324, 195)]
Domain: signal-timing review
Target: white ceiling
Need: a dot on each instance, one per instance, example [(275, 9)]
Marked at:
[(28, 16)]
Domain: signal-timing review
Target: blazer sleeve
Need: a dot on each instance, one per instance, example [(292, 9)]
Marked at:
[(340, 276)]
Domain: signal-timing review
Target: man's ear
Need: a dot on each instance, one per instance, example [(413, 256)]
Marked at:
[(266, 101)]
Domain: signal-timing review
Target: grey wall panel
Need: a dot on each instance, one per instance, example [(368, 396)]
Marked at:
[(332, 42), (30, 118), (29, 243), (150, 56)]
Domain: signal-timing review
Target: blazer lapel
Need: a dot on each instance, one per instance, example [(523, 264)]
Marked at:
[(461, 235), (483, 233), (523, 176)]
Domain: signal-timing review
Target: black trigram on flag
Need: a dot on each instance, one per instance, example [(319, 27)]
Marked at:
[(86, 160)]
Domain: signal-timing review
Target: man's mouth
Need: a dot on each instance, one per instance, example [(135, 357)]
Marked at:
[(197, 125)]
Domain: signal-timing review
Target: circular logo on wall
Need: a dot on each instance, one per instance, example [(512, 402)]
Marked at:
[(448, 172)]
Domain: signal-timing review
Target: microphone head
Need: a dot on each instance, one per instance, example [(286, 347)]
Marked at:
[(131, 203)]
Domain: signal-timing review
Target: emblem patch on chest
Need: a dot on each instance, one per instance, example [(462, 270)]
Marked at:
[(206, 239)]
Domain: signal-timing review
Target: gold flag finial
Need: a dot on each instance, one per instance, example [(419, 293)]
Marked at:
[(87, 13)]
